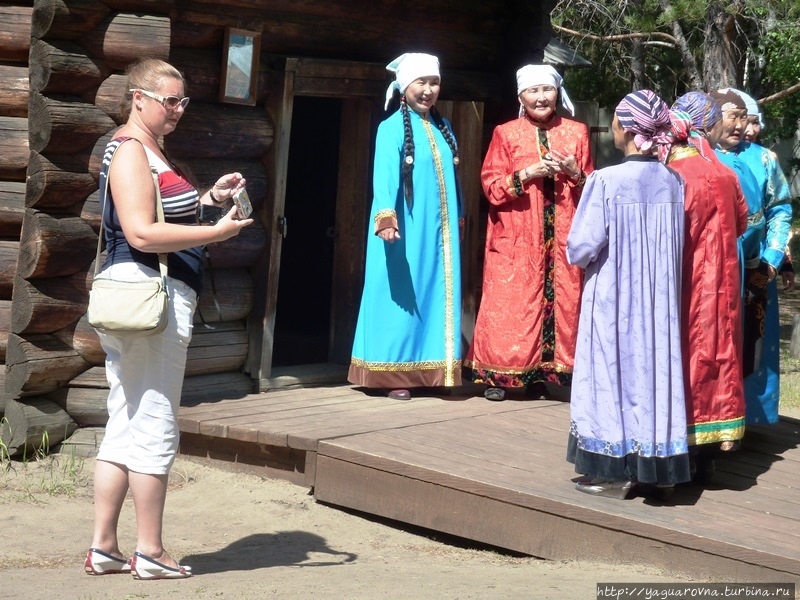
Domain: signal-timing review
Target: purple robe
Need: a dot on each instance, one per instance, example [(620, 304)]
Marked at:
[(627, 411)]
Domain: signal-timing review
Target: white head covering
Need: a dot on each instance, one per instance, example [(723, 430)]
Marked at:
[(752, 106), (531, 75), (408, 67)]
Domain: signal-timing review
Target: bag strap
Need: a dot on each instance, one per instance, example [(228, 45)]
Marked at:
[(162, 258)]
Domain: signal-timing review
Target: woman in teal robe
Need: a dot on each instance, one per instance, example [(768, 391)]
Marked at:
[(762, 247), (408, 332)]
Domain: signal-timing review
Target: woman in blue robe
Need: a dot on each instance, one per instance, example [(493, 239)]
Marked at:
[(408, 332), (762, 249)]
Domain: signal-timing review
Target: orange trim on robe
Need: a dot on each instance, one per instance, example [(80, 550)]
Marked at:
[(509, 327)]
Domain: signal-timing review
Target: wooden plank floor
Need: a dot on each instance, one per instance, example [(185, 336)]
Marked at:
[(495, 472)]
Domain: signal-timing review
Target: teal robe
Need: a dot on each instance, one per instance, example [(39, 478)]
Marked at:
[(408, 332), (768, 222)]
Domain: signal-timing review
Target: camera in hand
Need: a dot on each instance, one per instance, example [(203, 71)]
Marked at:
[(242, 202), (208, 214)]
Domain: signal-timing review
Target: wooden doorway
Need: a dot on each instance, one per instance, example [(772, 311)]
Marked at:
[(325, 115), (303, 307)]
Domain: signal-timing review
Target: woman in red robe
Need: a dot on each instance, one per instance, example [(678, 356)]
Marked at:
[(532, 175), (711, 317)]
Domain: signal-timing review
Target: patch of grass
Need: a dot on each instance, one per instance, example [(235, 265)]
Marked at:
[(43, 474)]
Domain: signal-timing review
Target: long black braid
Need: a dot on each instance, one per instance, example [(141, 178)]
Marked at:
[(408, 149)]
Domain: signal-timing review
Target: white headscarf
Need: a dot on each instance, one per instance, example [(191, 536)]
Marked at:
[(752, 106), (531, 75), (407, 68)]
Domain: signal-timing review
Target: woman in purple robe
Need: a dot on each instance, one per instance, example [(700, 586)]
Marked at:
[(628, 416)]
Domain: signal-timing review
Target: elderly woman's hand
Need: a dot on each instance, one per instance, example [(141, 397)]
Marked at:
[(566, 163), (229, 226), (543, 168)]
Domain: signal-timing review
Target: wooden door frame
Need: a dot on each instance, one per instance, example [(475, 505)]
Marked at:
[(360, 87)]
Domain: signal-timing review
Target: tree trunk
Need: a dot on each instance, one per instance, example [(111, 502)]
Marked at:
[(82, 337), (39, 364), (12, 208), (55, 19), (238, 131), (47, 305), (124, 38), (34, 426), (13, 148), (15, 34), (54, 247), (62, 67), (14, 91), (9, 251), (5, 328), (87, 406), (65, 127), (56, 183), (719, 70)]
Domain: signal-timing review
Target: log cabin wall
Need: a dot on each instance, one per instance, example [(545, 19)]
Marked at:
[(55, 132)]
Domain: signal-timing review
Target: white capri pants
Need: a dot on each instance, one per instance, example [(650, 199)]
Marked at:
[(145, 376)]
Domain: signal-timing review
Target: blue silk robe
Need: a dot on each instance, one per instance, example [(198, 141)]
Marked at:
[(768, 222), (408, 332)]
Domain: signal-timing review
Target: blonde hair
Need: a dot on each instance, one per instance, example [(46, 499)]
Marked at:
[(147, 74)]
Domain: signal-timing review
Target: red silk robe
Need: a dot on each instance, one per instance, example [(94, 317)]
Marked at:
[(711, 319), (521, 336)]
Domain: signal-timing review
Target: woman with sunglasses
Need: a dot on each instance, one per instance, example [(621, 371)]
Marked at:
[(145, 374)]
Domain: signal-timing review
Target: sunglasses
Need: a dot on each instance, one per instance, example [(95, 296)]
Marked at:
[(168, 102)]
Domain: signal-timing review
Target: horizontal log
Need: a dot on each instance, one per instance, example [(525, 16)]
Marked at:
[(201, 68), (47, 305), (12, 208), (94, 377), (9, 252), (108, 98), (34, 426), (15, 34), (88, 407), (98, 150), (55, 183), (61, 67), (191, 34), (206, 171), (243, 250), (58, 127), (14, 91), (62, 20), (5, 328), (54, 247), (14, 150), (39, 364), (233, 290), (90, 211), (217, 350), (124, 37), (86, 400), (82, 337), (157, 7), (212, 131)]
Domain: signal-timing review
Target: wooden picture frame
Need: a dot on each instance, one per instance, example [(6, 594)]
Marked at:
[(239, 77)]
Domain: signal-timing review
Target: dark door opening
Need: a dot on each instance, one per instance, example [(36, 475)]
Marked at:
[(303, 309)]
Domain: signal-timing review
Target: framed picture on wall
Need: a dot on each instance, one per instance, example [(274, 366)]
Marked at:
[(239, 79)]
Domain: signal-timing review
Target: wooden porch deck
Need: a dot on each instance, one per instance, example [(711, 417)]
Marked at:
[(495, 472)]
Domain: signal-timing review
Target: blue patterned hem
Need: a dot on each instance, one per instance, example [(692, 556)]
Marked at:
[(624, 448)]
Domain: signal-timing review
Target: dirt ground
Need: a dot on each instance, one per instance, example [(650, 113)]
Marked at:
[(247, 537)]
